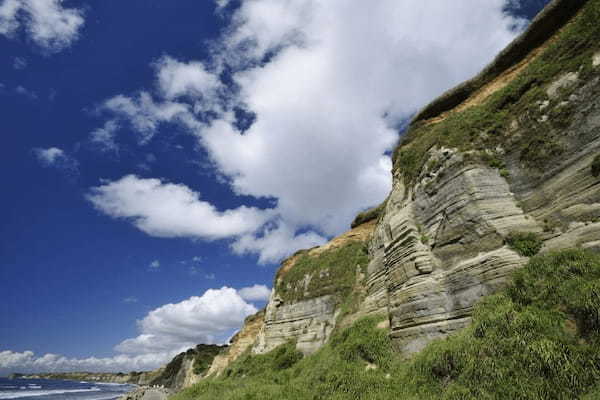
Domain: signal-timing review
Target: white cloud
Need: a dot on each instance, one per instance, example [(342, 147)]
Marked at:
[(276, 242), (155, 264), (222, 4), (164, 332), (48, 23), (49, 156), (209, 318), (144, 113), (56, 158), (255, 293), (177, 79), (328, 83), (105, 137), (8, 16), (170, 210)]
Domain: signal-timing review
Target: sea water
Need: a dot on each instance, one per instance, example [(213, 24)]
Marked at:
[(47, 389)]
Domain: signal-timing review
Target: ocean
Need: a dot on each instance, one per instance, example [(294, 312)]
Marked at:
[(46, 389)]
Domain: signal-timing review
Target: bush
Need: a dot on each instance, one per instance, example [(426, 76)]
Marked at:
[(526, 244)]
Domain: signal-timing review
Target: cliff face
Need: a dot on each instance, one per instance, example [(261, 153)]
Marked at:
[(514, 150), (517, 155)]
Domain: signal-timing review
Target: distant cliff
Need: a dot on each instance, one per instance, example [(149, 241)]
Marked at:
[(184, 370), (137, 378)]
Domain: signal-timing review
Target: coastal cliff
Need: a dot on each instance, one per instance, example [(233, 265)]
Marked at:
[(182, 371), (496, 180), (513, 151)]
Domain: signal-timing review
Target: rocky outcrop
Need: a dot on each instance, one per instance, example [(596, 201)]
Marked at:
[(305, 307)]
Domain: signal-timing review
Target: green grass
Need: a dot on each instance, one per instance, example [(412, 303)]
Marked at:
[(487, 125), (331, 272), (539, 339), (368, 215), (526, 244)]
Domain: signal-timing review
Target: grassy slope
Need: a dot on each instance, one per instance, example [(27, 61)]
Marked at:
[(487, 125), (537, 339), (331, 272)]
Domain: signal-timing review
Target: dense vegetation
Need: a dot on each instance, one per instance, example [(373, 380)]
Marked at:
[(537, 339), (488, 125), (526, 244), (330, 272)]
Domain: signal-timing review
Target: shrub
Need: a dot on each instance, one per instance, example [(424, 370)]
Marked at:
[(526, 244)]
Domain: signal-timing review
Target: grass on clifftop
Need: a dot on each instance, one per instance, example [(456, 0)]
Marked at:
[(331, 272), (538, 339), (486, 126)]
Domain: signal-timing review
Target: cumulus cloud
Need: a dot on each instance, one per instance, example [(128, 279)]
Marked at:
[(163, 333), (255, 293), (56, 158), (209, 318), (50, 25), (171, 210), (313, 98), (154, 265)]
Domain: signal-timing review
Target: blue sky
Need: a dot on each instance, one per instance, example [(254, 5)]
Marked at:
[(162, 156)]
